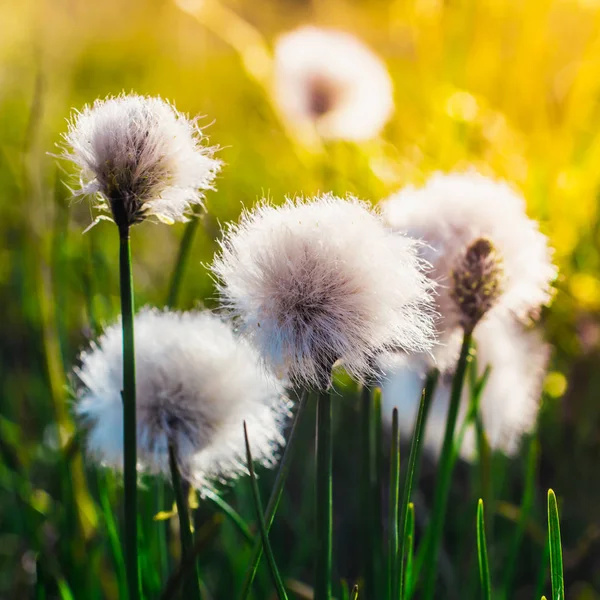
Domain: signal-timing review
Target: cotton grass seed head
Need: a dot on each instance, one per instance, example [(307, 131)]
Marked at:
[(321, 280), (475, 226), (329, 79), (509, 405), (476, 282), (196, 385), (139, 157)]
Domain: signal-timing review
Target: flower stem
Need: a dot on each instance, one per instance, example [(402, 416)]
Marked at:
[(282, 473), (446, 466), (182, 259), (393, 509), (413, 460), (191, 589), (324, 497), (129, 417)]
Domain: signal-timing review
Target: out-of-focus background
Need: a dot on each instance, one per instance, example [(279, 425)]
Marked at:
[(510, 87)]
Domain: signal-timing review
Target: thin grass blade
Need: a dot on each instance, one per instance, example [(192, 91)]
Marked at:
[(282, 473), (277, 581), (394, 510), (556, 563), (410, 550), (482, 555), (413, 462), (354, 595)]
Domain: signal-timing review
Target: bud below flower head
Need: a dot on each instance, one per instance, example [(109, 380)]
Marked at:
[(477, 282)]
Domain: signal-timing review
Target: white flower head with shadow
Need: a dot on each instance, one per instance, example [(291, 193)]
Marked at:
[(331, 80), (322, 280), (473, 226), (139, 157), (197, 382)]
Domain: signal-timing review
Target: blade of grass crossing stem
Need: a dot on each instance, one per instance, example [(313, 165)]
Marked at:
[(282, 473), (231, 514), (323, 497), (410, 549), (262, 524), (191, 587), (556, 564), (129, 417), (446, 466), (393, 528), (413, 462), (484, 569), (354, 595)]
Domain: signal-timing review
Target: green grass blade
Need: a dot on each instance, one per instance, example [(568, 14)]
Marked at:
[(445, 469), (413, 462), (354, 595), (282, 473), (231, 514), (482, 555), (191, 585), (277, 581), (394, 509), (410, 550), (324, 490), (556, 564)]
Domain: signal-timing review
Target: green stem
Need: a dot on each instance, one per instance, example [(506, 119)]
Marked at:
[(394, 509), (366, 474), (129, 417), (182, 259), (191, 589), (324, 497), (282, 473), (413, 461), (262, 525), (446, 466)]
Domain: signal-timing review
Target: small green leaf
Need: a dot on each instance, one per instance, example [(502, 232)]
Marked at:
[(556, 564), (354, 593), (484, 570)]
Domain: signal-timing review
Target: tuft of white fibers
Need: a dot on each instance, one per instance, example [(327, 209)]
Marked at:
[(139, 157), (509, 404), (196, 385), (322, 280), (451, 212), (331, 80)]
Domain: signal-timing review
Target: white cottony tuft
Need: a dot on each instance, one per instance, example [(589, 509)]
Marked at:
[(331, 80), (196, 385), (139, 157), (510, 401), (321, 280), (450, 214)]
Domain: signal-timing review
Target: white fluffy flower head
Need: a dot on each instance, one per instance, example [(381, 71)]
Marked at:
[(452, 212), (196, 385), (509, 404), (321, 280), (140, 158), (331, 80)]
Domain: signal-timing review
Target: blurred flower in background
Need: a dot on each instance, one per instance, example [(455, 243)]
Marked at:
[(332, 81)]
